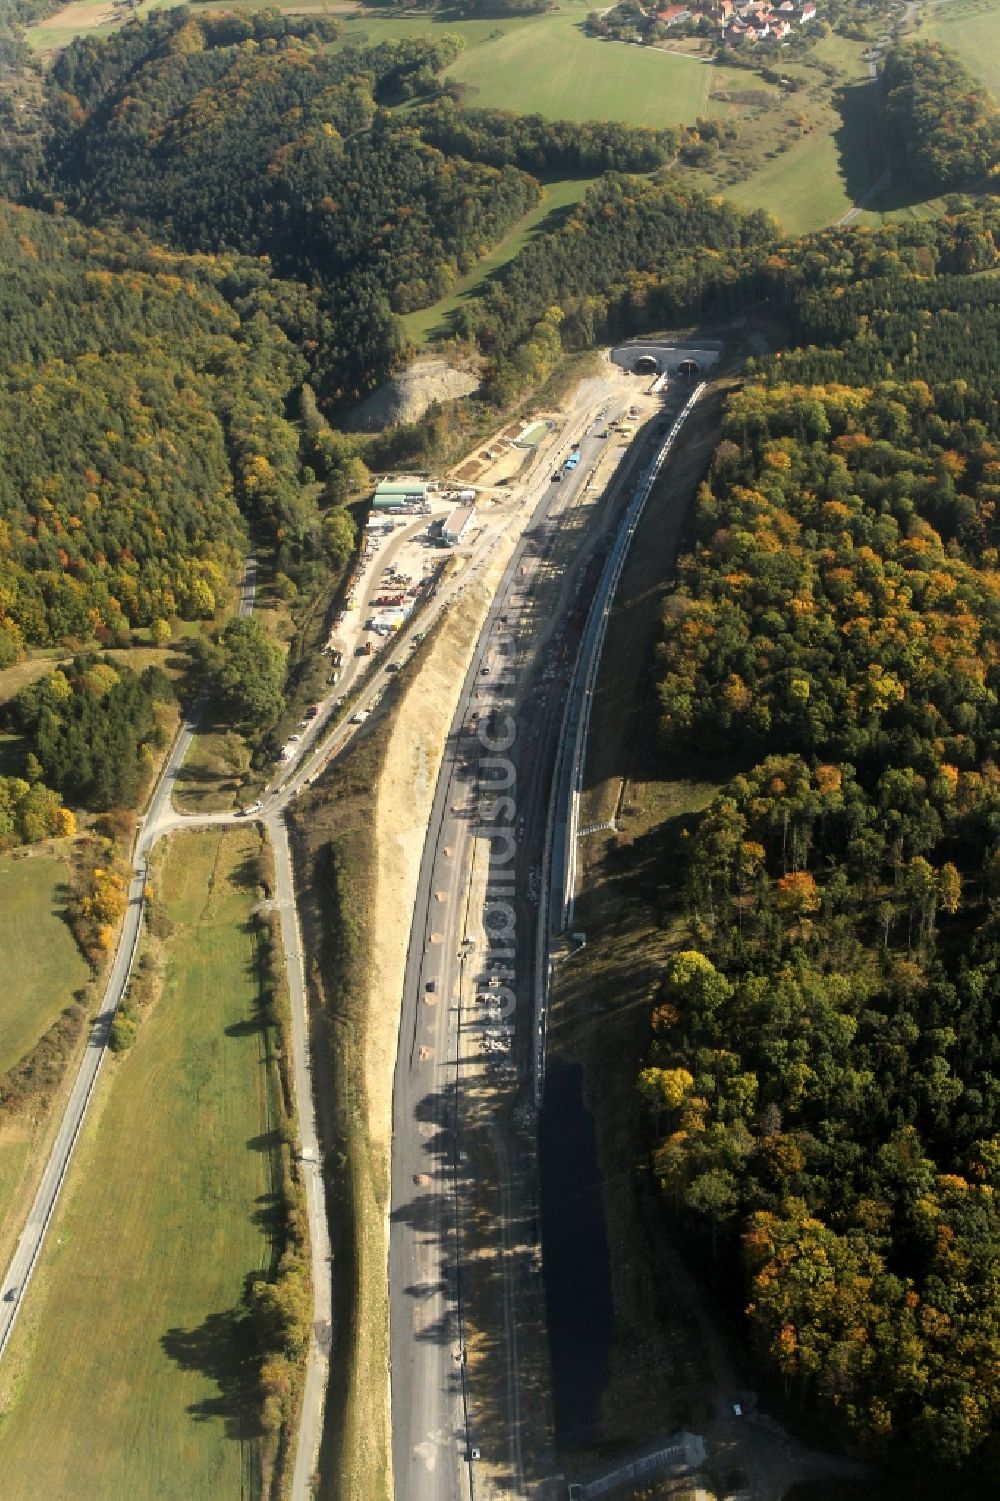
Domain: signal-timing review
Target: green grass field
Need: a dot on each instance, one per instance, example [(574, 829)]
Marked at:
[(15, 1149), (551, 68), (123, 1380), (44, 968), (211, 778), (972, 29), (42, 964), (73, 20), (912, 213), (803, 188), (802, 156), (546, 65)]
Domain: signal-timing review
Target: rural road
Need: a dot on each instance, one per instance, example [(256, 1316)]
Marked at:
[(311, 1157), (157, 817)]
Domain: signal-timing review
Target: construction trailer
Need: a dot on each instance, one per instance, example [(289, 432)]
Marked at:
[(457, 524)]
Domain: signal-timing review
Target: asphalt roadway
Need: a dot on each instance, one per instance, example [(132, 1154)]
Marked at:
[(433, 1447), (158, 814)]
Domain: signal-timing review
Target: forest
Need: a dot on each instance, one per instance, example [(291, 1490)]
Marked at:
[(500, 138), (823, 1076), (358, 173), (942, 131), (92, 727), (636, 254), (197, 130), (246, 133), (145, 425)]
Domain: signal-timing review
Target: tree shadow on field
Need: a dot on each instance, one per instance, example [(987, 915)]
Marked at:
[(856, 137), (223, 1349), (261, 1018), (267, 1142), (270, 1216), (246, 873)]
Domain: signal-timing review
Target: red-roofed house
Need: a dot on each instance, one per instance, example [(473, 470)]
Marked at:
[(807, 12), (671, 14)]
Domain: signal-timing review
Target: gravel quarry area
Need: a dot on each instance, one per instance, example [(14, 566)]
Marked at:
[(406, 397)]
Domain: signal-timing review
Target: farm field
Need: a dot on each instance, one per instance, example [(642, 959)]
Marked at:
[(124, 1378), (82, 17), (76, 19), (803, 189), (435, 321), (42, 964), (551, 68), (972, 29), (546, 65)]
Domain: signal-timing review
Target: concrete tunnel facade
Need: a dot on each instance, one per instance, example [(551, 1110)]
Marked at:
[(652, 357)]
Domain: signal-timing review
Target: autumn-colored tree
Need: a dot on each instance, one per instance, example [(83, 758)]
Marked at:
[(798, 894)]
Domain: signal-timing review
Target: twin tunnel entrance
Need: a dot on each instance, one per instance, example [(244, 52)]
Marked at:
[(649, 364)]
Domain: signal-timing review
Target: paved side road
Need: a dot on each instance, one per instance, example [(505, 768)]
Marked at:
[(158, 818), (318, 1367)]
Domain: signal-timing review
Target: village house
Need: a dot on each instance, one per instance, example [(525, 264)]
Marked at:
[(738, 20)]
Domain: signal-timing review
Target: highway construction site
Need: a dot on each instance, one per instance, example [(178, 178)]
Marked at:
[(429, 831), (470, 1405)]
